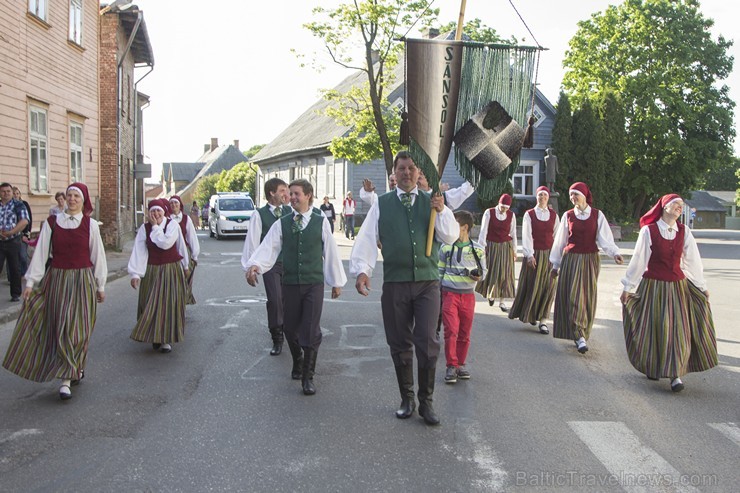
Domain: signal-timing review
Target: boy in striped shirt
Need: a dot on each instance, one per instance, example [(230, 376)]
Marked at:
[(461, 266)]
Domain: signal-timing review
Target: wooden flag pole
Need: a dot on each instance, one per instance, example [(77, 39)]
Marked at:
[(433, 215)]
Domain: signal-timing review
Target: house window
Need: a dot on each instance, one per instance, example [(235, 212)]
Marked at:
[(538, 115), (75, 151), (329, 163), (75, 21), (38, 136), (38, 8), (523, 179)]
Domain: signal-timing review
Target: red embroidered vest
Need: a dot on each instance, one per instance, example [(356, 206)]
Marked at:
[(70, 247), (184, 228), (542, 234), (158, 256), (499, 231), (582, 234), (665, 255)]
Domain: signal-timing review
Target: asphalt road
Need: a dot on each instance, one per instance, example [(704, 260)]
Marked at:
[(220, 414)]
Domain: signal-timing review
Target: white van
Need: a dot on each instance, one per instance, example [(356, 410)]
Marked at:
[(229, 214)]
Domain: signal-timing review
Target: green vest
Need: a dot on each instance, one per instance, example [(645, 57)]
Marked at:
[(303, 251), (403, 239), (268, 219)]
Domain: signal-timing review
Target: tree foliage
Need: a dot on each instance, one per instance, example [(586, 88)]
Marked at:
[(476, 30), (562, 141), (205, 188), (611, 113), (370, 27), (659, 58), (240, 178), (249, 153), (588, 164), (724, 177)]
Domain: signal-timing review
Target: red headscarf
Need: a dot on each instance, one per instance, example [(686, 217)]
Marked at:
[(505, 199), (182, 206), (87, 207), (654, 214), (582, 188), (163, 204), (543, 188)]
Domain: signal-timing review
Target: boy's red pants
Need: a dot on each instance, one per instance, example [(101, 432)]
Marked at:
[(457, 316)]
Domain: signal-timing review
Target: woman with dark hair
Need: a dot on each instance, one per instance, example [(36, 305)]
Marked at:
[(498, 234), (177, 209), (52, 335), (536, 288), (575, 255), (668, 326), (61, 205), (160, 257)]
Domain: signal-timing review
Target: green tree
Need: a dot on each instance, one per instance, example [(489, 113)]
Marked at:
[(611, 114), (659, 57), (477, 31), (205, 188), (249, 153), (562, 141), (240, 178), (373, 26), (723, 177), (588, 163)]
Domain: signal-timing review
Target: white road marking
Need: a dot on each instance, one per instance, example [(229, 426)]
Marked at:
[(20, 433), (632, 465), (730, 430), (244, 375)]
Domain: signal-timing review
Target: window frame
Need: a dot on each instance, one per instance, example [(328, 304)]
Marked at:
[(75, 21), (76, 150), (39, 9), (525, 177), (37, 176)]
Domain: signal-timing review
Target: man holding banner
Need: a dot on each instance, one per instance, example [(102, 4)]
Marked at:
[(399, 221)]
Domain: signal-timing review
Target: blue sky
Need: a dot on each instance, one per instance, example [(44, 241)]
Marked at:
[(227, 70)]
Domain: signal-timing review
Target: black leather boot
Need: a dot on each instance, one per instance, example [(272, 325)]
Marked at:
[(405, 377), (297, 353), (309, 365), (277, 341), (426, 389)]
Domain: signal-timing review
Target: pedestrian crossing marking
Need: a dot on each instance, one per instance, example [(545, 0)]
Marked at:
[(730, 430), (632, 465)]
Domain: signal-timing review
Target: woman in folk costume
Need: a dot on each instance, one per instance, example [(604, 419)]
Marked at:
[(575, 252), (52, 335), (668, 326), (498, 234), (187, 227), (536, 288), (160, 257)]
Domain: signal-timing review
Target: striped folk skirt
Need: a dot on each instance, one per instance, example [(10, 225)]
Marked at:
[(668, 329), (52, 334), (535, 291), (499, 280), (160, 317), (189, 296), (575, 296)]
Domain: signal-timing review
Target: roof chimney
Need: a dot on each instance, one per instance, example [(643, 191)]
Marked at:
[(432, 33), (236, 144), (206, 148), (214, 143)]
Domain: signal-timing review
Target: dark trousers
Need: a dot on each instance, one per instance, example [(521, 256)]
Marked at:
[(331, 225), (273, 280), (10, 251), (349, 226), (302, 313), (410, 312)]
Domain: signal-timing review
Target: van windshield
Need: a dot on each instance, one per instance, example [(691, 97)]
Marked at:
[(236, 205)]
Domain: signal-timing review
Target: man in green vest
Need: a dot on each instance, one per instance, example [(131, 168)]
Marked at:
[(276, 193), (310, 257), (399, 221)]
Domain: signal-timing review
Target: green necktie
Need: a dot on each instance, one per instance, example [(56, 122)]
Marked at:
[(278, 211), (406, 200), (297, 223)]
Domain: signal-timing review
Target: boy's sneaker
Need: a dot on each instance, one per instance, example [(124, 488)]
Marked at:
[(451, 375), (463, 373)]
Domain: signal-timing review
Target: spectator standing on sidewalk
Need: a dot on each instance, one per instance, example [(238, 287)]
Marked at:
[(26, 237), (187, 228), (310, 258), (160, 257), (575, 256), (195, 214), (668, 326), (461, 265), (276, 191), (328, 209), (204, 216), (53, 331), (498, 233), (13, 221), (536, 289), (61, 204), (348, 209)]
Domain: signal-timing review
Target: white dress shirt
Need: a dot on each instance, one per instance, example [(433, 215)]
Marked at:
[(365, 250), (456, 196), (604, 236), (252, 240), (190, 236), (161, 237), (266, 254), (691, 264), (37, 267), (500, 216), (527, 238)]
